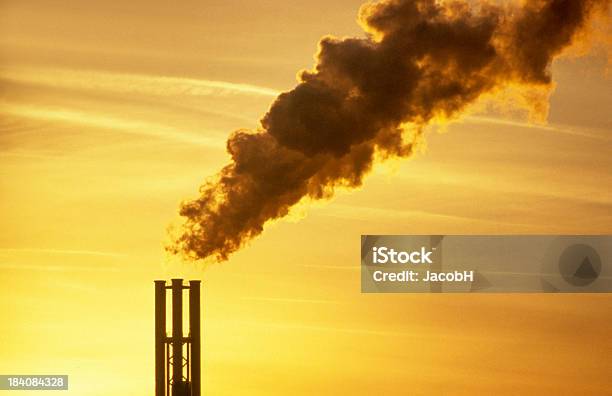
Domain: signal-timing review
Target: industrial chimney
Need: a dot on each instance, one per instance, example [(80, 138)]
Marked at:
[(177, 374)]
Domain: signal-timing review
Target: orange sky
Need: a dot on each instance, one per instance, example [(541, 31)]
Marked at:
[(114, 112)]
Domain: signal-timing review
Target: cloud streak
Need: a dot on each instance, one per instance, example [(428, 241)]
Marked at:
[(541, 127), (104, 121), (130, 83), (58, 268), (63, 252)]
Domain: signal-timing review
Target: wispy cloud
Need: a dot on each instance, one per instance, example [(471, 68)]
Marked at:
[(58, 268), (63, 252), (130, 83), (331, 267), (26, 154), (416, 332), (361, 212), (291, 300), (98, 120), (543, 127)]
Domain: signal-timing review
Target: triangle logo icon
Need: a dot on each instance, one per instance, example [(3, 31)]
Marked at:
[(586, 270)]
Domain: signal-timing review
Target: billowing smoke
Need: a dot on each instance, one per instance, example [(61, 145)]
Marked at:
[(420, 59)]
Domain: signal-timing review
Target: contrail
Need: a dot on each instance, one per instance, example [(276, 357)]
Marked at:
[(58, 268), (419, 60), (100, 120), (543, 127), (63, 252), (130, 82)]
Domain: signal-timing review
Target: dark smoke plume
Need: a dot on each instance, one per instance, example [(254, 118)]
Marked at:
[(420, 59)]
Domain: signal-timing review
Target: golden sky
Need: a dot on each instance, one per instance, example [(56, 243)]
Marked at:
[(112, 113)]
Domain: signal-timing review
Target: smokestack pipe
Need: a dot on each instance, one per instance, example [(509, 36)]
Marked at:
[(160, 335), (177, 334), (194, 324)]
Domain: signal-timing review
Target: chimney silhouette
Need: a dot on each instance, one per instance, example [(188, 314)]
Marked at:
[(177, 373)]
